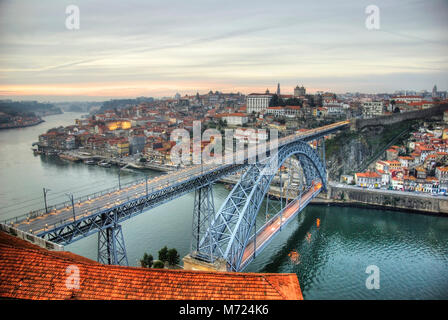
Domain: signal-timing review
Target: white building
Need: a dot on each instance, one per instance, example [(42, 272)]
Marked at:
[(372, 109), (276, 111), (385, 177), (258, 102), (408, 99), (406, 162), (292, 111), (235, 119), (334, 109), (368, 179), (396, 183)]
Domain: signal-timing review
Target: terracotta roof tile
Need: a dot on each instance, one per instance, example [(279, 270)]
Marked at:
[(368, 175), (30, 272)]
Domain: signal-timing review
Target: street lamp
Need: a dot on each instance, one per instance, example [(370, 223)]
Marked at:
[(119, 182), (45, 199), (70, 196), (146, 180)]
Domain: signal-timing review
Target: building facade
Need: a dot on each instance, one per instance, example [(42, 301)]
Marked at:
[(257, 102)]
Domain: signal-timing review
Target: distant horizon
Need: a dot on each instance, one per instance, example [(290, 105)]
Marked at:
[(86, 98)]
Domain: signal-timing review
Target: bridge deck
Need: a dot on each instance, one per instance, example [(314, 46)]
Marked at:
[(110, 199), (267, 232), (40, 222)]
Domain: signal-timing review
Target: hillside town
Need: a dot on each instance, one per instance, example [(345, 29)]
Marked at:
[(140, 133), (419, 165)]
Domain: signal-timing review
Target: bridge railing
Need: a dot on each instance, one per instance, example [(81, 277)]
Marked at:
[(163, 182), (40, 212)]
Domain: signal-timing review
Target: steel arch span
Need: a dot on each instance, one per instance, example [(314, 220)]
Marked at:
[(231, 227)]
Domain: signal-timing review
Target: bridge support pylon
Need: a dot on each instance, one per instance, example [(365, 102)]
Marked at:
[(203, 212), (193, 263), (111, 248)]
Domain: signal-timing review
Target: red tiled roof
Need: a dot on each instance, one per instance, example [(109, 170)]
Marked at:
[(237, 114), (368, 175), (31, 272), (391, 162)]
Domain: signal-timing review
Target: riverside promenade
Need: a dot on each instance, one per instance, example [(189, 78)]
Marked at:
[(347, 195)]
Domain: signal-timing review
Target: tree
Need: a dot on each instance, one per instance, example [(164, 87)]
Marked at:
[(396, 110), (276, 101), (293, 102), (393, 102), (147, 261), (173, 257), (163, 254), (158, 264)]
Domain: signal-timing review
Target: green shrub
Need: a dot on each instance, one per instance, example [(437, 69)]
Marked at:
[(173, 257), (158, 264), (163, 254), (147, 261)]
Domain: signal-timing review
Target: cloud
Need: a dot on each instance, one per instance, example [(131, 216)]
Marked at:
[(249, 43)]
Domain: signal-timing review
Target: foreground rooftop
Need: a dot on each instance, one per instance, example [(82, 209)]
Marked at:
[(31, 272)]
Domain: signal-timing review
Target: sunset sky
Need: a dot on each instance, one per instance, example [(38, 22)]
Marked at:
[(157, 48)]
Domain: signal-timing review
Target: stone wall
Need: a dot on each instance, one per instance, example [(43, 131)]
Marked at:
[(388, 199), (357, 124)]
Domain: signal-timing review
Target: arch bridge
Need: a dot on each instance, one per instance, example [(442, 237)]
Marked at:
[(229, 234)]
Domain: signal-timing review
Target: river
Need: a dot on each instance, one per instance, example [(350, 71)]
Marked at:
[(410, 250)]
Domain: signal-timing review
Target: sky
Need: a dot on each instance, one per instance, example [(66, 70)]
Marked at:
[(132, 48)]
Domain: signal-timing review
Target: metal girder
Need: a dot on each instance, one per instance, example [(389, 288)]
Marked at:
[(111, 248), (71, 231), (204, 209), (231, 226)]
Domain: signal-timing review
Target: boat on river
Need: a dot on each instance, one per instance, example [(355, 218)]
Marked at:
[(104, 164), (89, 162)]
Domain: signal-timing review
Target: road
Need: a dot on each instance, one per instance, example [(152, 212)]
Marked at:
[(272, 227)]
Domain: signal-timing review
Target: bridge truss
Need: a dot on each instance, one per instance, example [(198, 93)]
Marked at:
[(225, 234)]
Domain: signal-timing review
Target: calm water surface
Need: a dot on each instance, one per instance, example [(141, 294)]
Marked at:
[(410, 250)]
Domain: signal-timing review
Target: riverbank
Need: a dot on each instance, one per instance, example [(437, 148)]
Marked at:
[(102, 160), (24, 125), (368, 206), (345, 195)]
